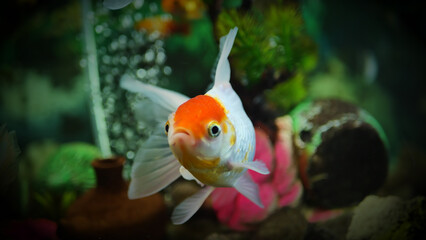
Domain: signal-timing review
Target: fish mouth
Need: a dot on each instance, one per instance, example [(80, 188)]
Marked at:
[(181, 137), (181, 131)]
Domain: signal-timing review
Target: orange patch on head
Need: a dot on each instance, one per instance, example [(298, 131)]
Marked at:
[(196, 113)]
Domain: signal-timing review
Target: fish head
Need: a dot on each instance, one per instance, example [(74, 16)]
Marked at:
[(199, 132)]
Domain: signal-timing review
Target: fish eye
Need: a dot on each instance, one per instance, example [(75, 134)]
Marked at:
[(214, 129), (166, 127)]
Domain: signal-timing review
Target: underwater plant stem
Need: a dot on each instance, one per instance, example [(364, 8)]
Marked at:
[(97, 112)]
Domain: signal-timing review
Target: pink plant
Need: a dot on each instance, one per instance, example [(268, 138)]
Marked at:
[(322, 215), (30, 229), (278, 189)]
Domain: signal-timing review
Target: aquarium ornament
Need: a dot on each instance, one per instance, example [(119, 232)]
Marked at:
[(97, 111)]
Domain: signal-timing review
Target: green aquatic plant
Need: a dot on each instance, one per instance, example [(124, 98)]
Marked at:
[(271, 49), (65, 174), (195, 52), (293, 90), (271, 39), (53, 205), (249, 60), (69, 167)]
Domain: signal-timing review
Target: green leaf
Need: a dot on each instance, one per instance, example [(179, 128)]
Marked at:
[(287, 94)]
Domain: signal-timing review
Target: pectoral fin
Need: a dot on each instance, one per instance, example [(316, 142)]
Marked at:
[(188, 176), (256, 166), (248, 188), (186, 209), (154, 168)]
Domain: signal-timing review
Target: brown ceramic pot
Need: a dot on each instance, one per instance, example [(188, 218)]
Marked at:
[(106, 212)]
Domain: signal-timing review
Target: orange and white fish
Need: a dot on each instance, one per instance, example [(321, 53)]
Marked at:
[(208, 138)]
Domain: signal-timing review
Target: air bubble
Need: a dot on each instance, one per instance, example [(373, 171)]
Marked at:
[(127, 21), (130, 155), (153, 7), (152, 72), (107, 32), (149, 55), (113, 45), (159, 43), (116, 128), (138, 16), (115, 71), (123, 60), (154, 36), (167, 70), (128, 134), (83, 63), (109, 78), (122, 39), (99, 29), (161, 58), (135, 59), (141, 73), (106, 59), (138, 3)]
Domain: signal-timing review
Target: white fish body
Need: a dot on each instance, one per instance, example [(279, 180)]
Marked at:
[(210, 139)]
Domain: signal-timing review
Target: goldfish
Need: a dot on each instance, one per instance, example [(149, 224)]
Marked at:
[(208, 138)]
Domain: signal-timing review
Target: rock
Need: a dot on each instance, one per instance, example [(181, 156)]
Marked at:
[(228, 236), (375, 216), (314, 232), (287, 223), (413, 225), (333, 228), (410, 224), (200, 226), (406, 180)]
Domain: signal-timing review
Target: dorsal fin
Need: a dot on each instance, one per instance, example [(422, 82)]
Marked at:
[(223, 70), (163, 101)]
